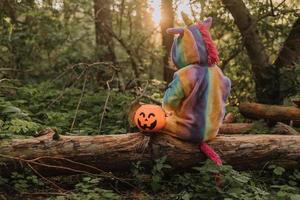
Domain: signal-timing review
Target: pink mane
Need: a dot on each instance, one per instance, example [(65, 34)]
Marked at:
[(212, 51)]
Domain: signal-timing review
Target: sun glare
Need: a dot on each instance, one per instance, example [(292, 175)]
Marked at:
[(155, 7), (183, 5)]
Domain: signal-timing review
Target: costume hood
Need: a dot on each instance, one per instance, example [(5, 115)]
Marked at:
[(193, 45)]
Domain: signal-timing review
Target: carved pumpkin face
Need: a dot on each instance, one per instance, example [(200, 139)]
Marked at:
[(150, 118)]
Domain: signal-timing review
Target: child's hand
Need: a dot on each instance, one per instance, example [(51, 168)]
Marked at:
[(169, 113)]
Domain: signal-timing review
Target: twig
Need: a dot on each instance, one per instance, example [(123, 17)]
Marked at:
[(69, 169), (44, 193), (61, 75), (51, 166), (79, 101), (4, 79), (63, 90), (87, 66), (106, 101), (143, 91), (143, 95), (128, 50), (71, 161), (45, 179)]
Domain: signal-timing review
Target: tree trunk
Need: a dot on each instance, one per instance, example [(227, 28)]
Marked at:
[(290, 52), (289, 56), (104, 41), (271, 112), (266, 76), (167, 21), (53, 155)]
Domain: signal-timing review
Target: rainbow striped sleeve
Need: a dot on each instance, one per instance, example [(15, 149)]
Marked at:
[(173, 95)]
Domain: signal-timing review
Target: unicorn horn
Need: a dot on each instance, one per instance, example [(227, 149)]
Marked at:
[(186, 19)]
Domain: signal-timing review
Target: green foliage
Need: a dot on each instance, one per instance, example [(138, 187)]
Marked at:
[(290, 81), (259, 127), (13, 120), (41, 105), (273, 26), (19, 126), (202, 184), (41, 87), (137, 171), (21, 182), (158, 173), (285, 185), (90, 189), (212, 182)]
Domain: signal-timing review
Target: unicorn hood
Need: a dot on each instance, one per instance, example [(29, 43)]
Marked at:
[(193, 45)]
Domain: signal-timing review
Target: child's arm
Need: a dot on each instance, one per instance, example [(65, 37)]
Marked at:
[(173, 95)]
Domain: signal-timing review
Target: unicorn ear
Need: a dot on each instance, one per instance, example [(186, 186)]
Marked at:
[(207, 22), (175, 31)]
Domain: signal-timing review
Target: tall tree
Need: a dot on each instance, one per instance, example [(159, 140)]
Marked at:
[(167, 21), (103, 21), (288, 58), (266, 74)]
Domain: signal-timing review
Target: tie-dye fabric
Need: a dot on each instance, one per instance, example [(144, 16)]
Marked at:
[(189, 48), (196, 97)]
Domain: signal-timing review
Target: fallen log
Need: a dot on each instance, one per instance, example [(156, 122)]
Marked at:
[(243, 128), (229, 118), (296, 101), (284, 129), (51, 155), (271, 112), (235, 128)]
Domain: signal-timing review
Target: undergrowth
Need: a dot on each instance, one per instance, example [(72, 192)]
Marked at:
[(30, 108), (161, 182)]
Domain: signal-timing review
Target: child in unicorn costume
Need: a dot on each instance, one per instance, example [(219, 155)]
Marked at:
[(195, 100)]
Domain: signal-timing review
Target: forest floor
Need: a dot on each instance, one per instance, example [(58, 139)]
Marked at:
[(27, 109)]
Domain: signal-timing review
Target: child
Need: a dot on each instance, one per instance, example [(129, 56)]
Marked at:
[(195, 100)]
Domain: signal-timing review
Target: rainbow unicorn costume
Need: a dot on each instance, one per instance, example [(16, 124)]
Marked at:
[(195, 100)]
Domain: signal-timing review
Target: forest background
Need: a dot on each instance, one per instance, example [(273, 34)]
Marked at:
[(77, 66)]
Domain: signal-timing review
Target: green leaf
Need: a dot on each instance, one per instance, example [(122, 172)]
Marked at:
[(278, 171), (11, 109), (295, 196), (186, 196)]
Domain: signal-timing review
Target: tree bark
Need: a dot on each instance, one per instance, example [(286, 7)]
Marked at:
[(284, 129), (242, 128), (288, 57), (271, 112), (266, 76), (290, 52), (104, 41), (167, 21), (235, 128), (53, 155), (229, 118)]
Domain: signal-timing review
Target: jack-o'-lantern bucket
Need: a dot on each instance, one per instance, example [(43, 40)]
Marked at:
[(150, 118)]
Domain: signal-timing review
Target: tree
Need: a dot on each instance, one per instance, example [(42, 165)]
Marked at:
[(103, 21), (266, 74), (167, 21)]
